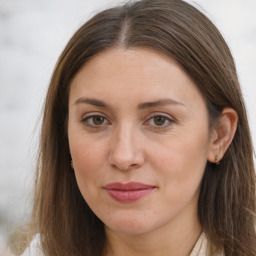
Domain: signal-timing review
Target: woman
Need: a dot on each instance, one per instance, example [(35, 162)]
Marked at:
[(145, 144)]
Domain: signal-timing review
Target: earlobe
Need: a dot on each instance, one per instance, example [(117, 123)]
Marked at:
[(222, 135)]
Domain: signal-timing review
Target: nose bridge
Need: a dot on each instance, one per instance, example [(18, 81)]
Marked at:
[(125, 151)]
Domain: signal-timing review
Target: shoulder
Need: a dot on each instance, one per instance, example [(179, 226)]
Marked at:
[(34, 249), (203, 247)]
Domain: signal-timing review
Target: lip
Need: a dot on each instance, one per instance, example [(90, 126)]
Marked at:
[(128, 192)]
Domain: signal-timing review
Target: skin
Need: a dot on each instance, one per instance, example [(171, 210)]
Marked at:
[(128, 144)]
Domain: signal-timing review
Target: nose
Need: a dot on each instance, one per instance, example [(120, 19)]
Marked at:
[(126, 149)]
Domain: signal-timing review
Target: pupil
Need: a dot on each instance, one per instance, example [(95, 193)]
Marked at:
[(159, 120), (98, 120)]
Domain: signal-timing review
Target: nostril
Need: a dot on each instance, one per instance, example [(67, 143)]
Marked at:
[(124, 167)]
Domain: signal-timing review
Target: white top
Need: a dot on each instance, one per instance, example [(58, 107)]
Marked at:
[(200, 248), (34, 247)]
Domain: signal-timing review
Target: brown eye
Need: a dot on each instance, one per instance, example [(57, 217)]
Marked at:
[(95, 121), (98, 120), (159, 120)]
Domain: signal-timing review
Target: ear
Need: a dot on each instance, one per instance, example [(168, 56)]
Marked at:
[(222, 135)]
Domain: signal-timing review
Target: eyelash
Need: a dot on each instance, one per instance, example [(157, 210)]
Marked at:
[(87, 119), (167, 121)]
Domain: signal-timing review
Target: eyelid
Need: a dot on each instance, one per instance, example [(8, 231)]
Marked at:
[(169, 118), (89, 115)]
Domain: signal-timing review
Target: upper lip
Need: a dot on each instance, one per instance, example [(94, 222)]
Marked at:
[(128, 186)]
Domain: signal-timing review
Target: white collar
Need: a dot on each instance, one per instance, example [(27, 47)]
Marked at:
[(202, 247)]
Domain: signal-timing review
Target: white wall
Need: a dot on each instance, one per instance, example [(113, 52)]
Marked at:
[(33, 34)]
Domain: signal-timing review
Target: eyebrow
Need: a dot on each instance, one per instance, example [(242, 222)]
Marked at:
[(161, 102), (94, 102), (151, 104)]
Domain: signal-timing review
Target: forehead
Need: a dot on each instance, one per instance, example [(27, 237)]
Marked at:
[(121, 75)]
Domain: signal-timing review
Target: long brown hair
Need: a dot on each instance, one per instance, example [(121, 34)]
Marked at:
[(226, 207)]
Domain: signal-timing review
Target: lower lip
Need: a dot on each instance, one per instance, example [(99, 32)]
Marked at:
[(127, 196)]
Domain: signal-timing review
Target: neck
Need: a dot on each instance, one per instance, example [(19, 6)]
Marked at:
[(177, 238)]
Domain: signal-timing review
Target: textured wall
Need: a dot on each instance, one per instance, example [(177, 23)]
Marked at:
[(32, 35)]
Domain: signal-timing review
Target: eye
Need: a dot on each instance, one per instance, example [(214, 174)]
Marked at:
[(95, 121), (159, 121)]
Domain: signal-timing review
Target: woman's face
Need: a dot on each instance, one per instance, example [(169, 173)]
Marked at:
[(139, 139)]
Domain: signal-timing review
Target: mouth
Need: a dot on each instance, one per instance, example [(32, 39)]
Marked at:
[(128, 192)]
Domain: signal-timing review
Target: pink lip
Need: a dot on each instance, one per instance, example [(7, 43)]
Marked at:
[(128, 192)]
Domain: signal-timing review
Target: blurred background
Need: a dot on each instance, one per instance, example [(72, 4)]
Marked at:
[(32, 35)]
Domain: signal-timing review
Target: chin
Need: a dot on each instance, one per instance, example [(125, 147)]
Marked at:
[(129, 224), (134, 229)]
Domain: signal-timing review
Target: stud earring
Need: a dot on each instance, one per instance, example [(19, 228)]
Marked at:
[(71, 164), (217, 160)]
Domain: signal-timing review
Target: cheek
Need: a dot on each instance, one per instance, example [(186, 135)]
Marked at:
[(88, 159), (181, 161)]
